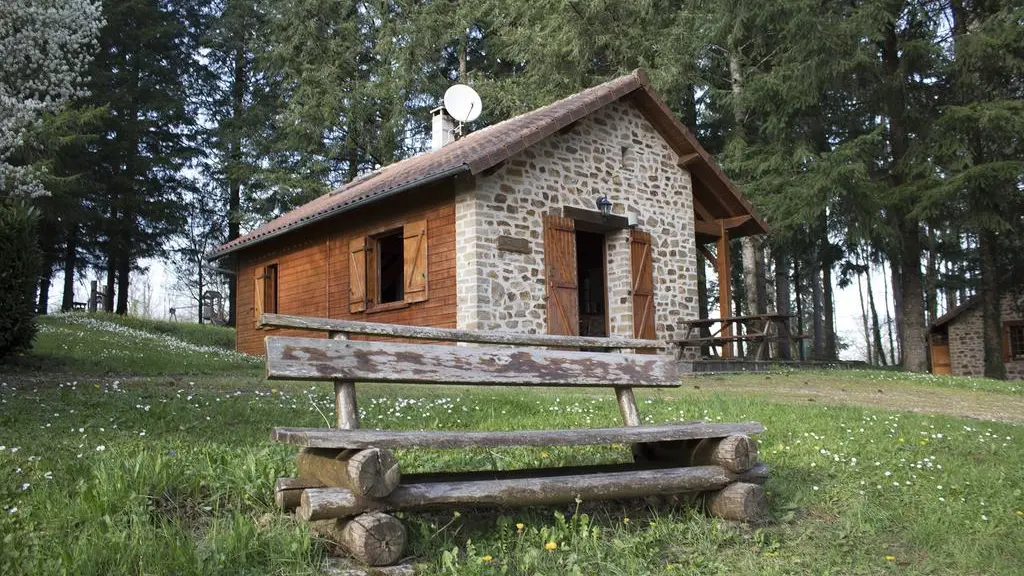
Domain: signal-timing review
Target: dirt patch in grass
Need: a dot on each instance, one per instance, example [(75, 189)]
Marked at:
[(891, 395)]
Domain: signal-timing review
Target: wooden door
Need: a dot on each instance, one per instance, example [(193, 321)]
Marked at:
[(940, 359), (560, 276), (642, 284)]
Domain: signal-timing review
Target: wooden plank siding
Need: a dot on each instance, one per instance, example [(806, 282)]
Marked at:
[(313, 268)]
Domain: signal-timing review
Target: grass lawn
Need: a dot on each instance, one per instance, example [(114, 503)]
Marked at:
[(141, 448)]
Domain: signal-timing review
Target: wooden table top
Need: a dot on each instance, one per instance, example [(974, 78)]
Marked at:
[(735, 319)]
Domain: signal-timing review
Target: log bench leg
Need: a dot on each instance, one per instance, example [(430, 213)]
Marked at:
[(373, 538), (736, 453), (373, 472), (288, 492), (740, 501)]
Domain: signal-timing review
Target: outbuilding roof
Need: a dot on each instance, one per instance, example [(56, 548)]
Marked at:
[(488, 147), (954, 313)]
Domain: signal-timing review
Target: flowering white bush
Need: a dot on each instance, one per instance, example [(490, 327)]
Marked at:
[(45, 46)]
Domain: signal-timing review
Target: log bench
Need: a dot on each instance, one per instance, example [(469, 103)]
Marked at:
[(349, 480)]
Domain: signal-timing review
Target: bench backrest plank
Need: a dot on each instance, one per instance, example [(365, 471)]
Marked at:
[(319, 359), (454, 335)]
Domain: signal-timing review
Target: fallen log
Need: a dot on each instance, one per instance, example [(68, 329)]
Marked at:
[(324, 503), (373, 472)]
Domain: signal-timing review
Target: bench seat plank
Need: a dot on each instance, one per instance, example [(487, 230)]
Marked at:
[(320, 359), (355, 439)]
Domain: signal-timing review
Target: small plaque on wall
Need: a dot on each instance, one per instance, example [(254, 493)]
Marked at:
[(513, 244)]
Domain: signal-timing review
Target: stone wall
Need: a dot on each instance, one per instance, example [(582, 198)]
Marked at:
[(966, 351), (614, 152)]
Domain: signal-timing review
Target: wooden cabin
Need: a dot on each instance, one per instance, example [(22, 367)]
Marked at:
[(582, 217), (956, 340)]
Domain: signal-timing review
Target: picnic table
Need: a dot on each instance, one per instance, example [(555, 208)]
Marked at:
[(757, 330)]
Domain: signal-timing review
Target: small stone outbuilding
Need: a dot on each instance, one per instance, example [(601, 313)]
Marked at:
[(957, 346), (582, 217)]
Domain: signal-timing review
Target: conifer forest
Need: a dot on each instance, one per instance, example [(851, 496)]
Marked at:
[(881, 140)]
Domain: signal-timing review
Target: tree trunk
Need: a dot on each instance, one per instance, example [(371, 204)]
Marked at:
[(123, 277), (895, 318), (737, 297), (702, 298), (238, 89), (931, 280), (818, 315), (914, 346), (108, 295), (799, 305), (200, 286), (868, 356), (463, 41), (70, 263), (44, 290), (875, 328), (830, 351), (992, 333), (782, 297)]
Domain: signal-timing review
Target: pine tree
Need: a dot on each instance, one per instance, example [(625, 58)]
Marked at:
[(978, 148), (140, 78)]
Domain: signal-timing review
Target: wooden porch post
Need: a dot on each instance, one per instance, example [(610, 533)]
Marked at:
[(724, 287)]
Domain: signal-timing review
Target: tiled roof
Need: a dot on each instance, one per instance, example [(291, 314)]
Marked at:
[(479, 151)]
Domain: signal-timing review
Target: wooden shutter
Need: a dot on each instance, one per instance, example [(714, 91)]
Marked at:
[(357, 274), (257, 293), (642, 284), (414, 252), (560, 276)]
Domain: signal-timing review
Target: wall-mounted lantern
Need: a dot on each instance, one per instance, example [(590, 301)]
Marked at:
[(604, 205)]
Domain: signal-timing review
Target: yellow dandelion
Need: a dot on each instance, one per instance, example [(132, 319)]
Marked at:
[(487, 558), (625, 520), (520, 526), (550, 546), (890, 558)]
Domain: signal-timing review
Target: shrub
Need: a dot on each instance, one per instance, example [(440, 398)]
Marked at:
[(20, 262)]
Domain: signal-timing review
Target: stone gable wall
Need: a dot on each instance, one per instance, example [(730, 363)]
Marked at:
[(966, 350), (615, 152)]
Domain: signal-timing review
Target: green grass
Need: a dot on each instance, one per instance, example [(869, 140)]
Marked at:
[(161, 475), (107, 344), (904, 379)]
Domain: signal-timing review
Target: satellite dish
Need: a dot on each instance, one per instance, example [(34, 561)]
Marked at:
[(463, 103)]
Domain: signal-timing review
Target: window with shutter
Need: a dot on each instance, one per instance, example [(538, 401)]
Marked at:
[(1013, 341), (560, 276), (415, 256), (270, 289), (642, 284), (357, 275)]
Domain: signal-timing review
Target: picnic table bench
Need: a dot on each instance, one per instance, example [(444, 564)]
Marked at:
[(756, 330), (350, 478)]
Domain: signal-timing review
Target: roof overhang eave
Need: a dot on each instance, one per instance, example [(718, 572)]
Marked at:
[(437, 177)]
